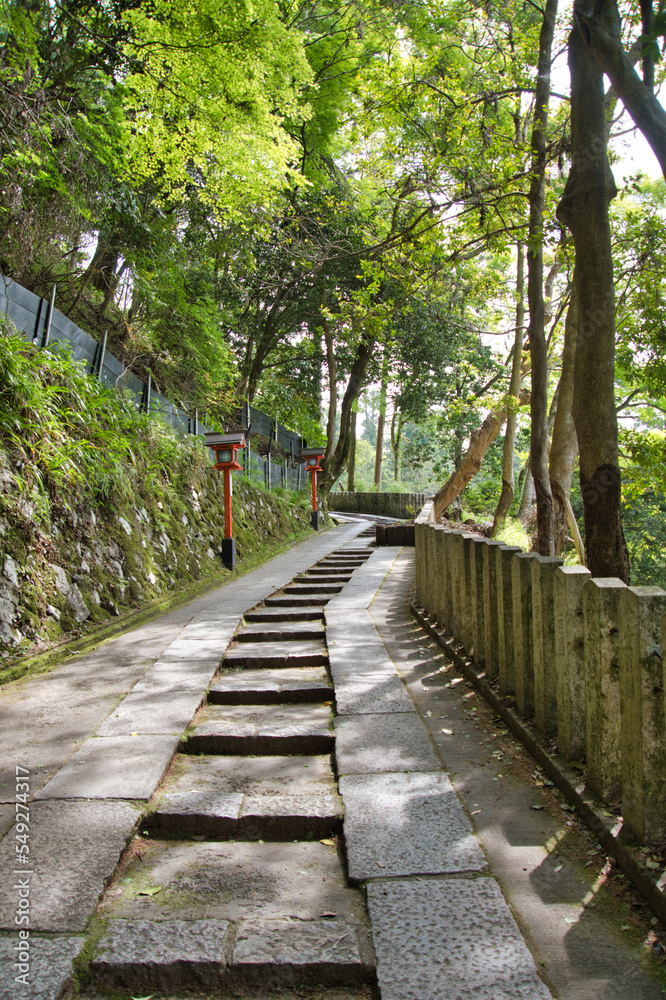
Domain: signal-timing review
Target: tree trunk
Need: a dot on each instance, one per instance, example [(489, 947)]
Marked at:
[(397, 424), (351, 467), (479, 443), (539, 440), (527, 497), (332, 388), (601, 33), (564, 445), (583, 208), (333, 467), (381, 420), (508, 477)]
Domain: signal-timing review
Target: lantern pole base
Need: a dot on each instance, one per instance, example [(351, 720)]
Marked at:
[(314, 519), (229, 553)]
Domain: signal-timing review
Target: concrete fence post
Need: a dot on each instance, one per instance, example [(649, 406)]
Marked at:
[(457, 584), (642, 709), (467, 598), (490, 617), (442, 611), (435, 576), (505, 629), (568, 583), (420, 544), (521, 581), (478, 605), (601, 640), (543, 570)]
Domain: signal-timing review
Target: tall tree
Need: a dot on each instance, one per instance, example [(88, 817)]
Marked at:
[(584, 208)]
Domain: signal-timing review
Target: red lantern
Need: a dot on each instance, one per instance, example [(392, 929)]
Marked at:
[(312, 457), (226, 448)]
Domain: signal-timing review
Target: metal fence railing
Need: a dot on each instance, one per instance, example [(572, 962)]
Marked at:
[(39, 321)]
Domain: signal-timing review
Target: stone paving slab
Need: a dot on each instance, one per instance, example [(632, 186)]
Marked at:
[(280, 632), (406, 824), (74, 847), (181, 675), (256, 687), (219, 630), (196, 649), (234, 881), (449, 939), (371, 694), (388, 742), (175, 954), (294, 653), (50, 967), (143, 713), (263, 729), (7, 816), (345, 660), (113, 767), (212, 775), (313, 587), (285, 952)]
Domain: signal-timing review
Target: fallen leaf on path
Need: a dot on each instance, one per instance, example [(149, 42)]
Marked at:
[(447, 732), (150, 892), (328, 842), (557, 868)]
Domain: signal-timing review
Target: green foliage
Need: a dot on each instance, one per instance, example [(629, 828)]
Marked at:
[(76, 441)]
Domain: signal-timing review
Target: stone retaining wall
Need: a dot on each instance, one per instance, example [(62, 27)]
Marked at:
[(384, 504), (582, 657)]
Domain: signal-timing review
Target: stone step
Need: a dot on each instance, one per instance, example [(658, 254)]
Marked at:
[(304, 613), (293, 653), (246, 817), (321, 580), (213, 955), (263, 730), (281, 632), (297, 589), (248, 798), (297, 601), (327, 571), (271, 687)]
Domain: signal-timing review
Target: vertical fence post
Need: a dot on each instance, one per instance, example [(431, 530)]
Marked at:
[(523, 645), (505, 634), (47, 328), (490, 615), (642, 710), (601, 614), (478, 606), (543, 643), (98, 360), (568, 584), (444, 572), (145, 400)]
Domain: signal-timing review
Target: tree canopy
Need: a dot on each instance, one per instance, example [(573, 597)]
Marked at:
[(296, 202)]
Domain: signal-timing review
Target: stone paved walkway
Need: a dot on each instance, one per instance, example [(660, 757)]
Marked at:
[(280, 811)]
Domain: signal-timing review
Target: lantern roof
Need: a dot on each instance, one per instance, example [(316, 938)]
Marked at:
[(216, 440), (312, 452)]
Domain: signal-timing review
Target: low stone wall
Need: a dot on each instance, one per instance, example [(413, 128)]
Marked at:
[(403, 505), (89, 567), (581, 656)]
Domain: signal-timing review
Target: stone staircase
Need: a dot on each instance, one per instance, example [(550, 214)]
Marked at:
[(239, 877)]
